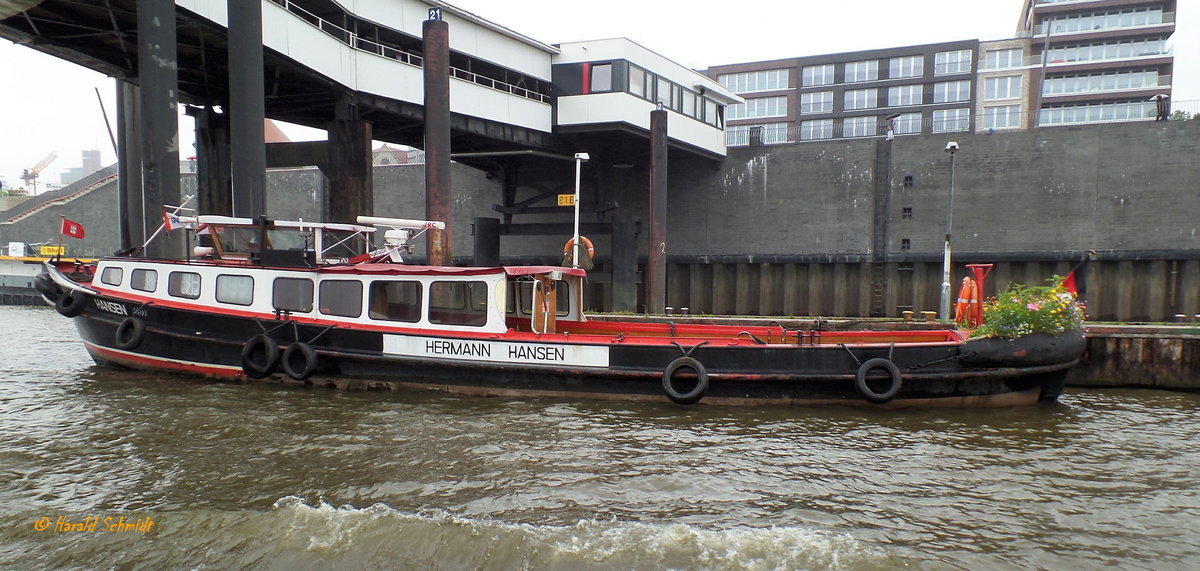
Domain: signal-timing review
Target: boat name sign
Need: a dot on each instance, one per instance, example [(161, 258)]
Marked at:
[(496, 351)]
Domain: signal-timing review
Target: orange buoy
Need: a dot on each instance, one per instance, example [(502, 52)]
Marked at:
[(591, 252), (968, 302)]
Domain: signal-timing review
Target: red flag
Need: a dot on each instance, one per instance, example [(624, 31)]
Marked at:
[(1068, 283), (72, 229)]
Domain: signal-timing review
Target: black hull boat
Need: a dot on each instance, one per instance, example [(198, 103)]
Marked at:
[(366, 320)]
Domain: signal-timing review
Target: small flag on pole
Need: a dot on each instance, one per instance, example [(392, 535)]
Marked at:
[(171, 221), (72, 229)]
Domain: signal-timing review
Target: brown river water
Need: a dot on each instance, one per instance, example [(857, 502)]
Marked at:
[(103, 468)]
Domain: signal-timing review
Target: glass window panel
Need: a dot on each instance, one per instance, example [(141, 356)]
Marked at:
[(341, 297), (292, 294), (395, 300), (144, 280), (183, 284), (112, 276), (601, 77), (238, 290), (459, 303)]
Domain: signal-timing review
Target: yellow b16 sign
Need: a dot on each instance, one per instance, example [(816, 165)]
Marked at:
[(50, 251), (566, 200)]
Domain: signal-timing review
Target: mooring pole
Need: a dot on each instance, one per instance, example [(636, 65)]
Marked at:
[(656, 261), (438, 196)]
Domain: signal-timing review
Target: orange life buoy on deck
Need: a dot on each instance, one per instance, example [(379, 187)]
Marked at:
[(968, 301), (591, 252)]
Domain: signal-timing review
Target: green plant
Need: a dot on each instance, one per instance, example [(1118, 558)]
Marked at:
[(1023, 310)]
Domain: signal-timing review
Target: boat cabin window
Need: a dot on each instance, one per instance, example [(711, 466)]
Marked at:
[(341, 297), (237, 241), (292, 294), (183, 284), (112, 276), (235, 289), (144, 280), (458, 303), (524, 293), (398, 300)]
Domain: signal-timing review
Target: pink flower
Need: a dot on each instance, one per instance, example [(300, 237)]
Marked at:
[(1031, 306)]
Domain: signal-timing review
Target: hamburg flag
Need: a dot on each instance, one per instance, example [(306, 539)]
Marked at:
[(72, 229)]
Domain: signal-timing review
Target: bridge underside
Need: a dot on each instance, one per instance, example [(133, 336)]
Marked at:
[(103, 36)]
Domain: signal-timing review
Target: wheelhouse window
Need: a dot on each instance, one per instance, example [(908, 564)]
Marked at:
[(522, 295), (144, 280), (112, 276), (183, 284), (292, 294), (341, 297), (396, 300), (458, 303), (238, 290)]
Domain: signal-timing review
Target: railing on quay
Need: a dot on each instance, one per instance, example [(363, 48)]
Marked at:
[(399, 54)]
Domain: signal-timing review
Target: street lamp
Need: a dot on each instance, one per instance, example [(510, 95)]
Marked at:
[(951, 148), (579, 158)]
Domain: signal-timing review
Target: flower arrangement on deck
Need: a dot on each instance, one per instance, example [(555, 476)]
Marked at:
[(1024, 310)]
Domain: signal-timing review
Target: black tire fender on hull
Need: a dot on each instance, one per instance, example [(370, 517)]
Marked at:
[(299, 361), (895, 382), (129, 334), (71, 303), (47, 287), (260, 356), (692, 396)]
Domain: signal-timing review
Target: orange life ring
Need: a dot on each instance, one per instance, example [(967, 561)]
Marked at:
[(968, 301), (591, 252)]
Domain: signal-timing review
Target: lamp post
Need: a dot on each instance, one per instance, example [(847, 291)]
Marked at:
[(951, 148), (579, 158)]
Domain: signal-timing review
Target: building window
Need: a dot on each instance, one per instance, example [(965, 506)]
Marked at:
[(862, 71), (237, 290), (951, 91), (946, 63), (904, 95), (907, 66), (906, 212), (817, 129), (1002, 59), (1097, 113), (600, 78), (907, 124), (1002, 117), (1100, 82), (1006, 87), (666, 93), (860, 99), (859, 127), (908, 183), (183, 284), (145, 280), (816, 102), (905, 244), (768, 134), (759, 107), (812, 75), (341, 297), (1107, 51), (637, 81), (752, 81), (1108, 20), (945, 120)]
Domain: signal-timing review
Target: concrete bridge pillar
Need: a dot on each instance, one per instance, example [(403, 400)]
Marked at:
[(130, 207), (349, 165), (247, 109), (214, 186), (158, 79)]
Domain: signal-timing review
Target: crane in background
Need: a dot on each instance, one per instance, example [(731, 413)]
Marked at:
[(30, 175)]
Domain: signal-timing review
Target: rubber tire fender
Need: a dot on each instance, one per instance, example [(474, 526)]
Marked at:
[(71, 303), (860, 380), (260, 356), (129, 334), (299, 361), (693, 396), (46, 286)]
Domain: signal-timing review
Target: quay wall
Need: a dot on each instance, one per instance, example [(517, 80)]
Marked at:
[(841, 228)]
